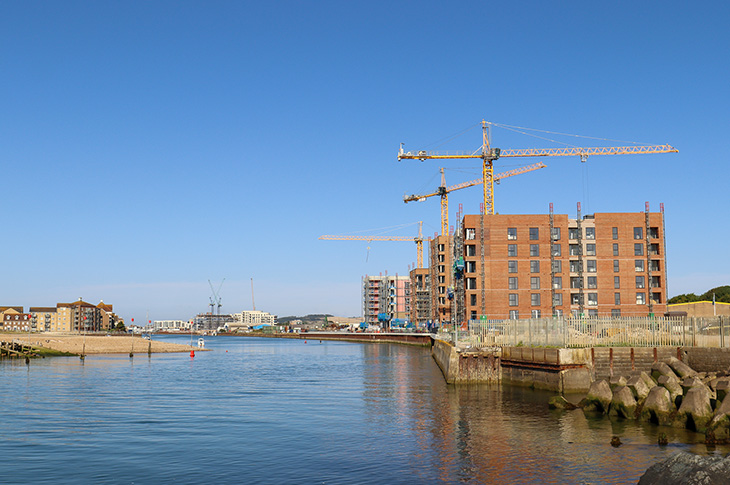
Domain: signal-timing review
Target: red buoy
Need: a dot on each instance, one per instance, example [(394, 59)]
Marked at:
[(192, 354)]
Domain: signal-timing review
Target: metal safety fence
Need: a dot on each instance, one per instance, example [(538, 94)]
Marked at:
[(591, 332)]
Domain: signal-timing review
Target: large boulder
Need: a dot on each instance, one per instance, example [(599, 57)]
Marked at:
[(658, 406), (680, 368), (688, 469), (616, 381), (623, 403), (661, 369), (598, 398), (671, 383), (638, 388), (696, 410)]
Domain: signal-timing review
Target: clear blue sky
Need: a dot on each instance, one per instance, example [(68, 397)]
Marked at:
[(148, 147)]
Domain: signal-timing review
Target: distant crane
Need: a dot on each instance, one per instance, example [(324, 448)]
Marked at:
[(443, 191), (489, 155), (418, 240), (215, 299)]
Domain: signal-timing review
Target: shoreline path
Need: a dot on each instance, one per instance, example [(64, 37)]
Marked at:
[(96, 344)]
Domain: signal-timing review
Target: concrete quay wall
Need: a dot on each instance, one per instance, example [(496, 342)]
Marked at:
[(565, 370)]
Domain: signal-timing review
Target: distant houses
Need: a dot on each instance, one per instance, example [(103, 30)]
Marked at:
[(78, 316)]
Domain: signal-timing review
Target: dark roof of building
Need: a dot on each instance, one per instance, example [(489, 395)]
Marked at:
[(18, 309), (42, 309)]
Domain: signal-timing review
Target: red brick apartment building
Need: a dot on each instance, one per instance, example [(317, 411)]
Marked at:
[(605, 264)]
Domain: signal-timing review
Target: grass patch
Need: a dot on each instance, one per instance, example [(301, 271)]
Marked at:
[(44, 352)]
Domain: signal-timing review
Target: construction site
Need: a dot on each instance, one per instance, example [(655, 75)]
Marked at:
[(494, 267)]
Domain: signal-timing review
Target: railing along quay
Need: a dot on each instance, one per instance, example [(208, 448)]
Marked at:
[(575, 332)]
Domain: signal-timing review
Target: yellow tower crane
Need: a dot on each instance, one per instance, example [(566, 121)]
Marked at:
[(489, 155), (443, 191), (418, 240)]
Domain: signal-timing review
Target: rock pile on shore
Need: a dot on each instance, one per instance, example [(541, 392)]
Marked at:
[(673, 395)]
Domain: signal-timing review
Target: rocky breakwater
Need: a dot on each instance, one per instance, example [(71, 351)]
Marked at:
[(672, 395)]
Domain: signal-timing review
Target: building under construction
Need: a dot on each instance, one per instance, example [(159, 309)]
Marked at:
[(386, 299), (532, 266)]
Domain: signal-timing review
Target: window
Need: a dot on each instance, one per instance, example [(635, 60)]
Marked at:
[(590, 233), (615, 249), (656, 297), (617, 298), (535, 283), (654, 249), (557, 266), (640, 282), (512, 233), (471, 250), (641, 298), (592, 282), (654, 265), (557, 282), (576, 282), (512, 282), (512, 250), (471, 266), (442, 290), (592, 299), (534, 233), (535, 299), (442, 300), (590, 249), (615, 265), (558, 299), (441, 258), (513, 300), (638, 249), (473, 315), (575, 299), (593, 313), (442, 279), (656, 282), (512, 266), (471, 233), (535, 314), (441, 247), (591, 265), (534, 250), (654, 232), (574, 250), (473, 300), (471, 283), (615, 312), (442, 268), (639, 265), (555, 249), (514, 315), (575, 266), (555, 235), (572, 233), (534, 266), (614, 232), (617, 282), (638, 233)]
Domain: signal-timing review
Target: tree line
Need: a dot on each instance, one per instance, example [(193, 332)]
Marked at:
[(722, 293)]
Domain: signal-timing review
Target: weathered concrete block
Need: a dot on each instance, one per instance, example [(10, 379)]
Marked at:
[(722, 388), (696, 411), (671, 383), (638, 388), (658, 406), (575, 380), (598, 398), (647, 379), (623, 403), (680, 368), (559, 402), (659, 369), (617, 381)]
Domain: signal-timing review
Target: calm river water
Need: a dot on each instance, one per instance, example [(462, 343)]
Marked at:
[(285, 411)]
